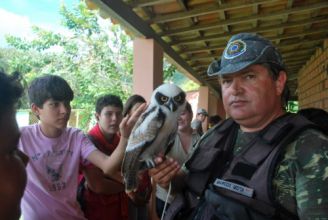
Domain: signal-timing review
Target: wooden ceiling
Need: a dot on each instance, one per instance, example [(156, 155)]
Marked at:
[(193, 33)]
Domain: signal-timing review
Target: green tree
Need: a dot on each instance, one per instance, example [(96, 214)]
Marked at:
[(94, 61), (171, 74)]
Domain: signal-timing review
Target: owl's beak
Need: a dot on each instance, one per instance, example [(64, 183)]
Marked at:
[(172, 106)]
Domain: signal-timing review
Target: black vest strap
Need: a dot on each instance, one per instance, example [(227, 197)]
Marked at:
[(205, 153), (262, 146), (203, 161)]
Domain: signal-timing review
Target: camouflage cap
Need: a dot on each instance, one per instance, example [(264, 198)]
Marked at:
[(243, 50)]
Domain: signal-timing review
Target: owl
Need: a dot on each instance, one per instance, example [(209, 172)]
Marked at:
[(153, 133)]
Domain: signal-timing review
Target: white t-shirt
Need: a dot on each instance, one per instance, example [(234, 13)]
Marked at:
[(52, 173), (180, 155)]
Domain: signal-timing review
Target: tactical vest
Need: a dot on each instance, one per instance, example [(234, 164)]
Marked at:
[(236, 187)]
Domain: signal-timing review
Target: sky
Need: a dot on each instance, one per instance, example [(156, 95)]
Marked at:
[(17, 16)]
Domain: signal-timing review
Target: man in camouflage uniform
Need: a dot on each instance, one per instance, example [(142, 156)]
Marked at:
[(253, 82)]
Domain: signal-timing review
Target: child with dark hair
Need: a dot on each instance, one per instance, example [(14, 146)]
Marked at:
[(132, 103), (108, 100), (49, 87), (103, 197), (56, 151), (12, 161)]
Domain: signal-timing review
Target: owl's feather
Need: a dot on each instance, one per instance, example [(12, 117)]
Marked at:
[(143, 136), (153, 133)]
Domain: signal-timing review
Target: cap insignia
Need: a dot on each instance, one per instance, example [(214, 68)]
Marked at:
[(235, 49)]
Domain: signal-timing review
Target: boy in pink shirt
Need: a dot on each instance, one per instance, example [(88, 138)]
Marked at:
[(55, 152)]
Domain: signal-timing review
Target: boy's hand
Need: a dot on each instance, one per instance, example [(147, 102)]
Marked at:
[(129, 121), (165, 171)]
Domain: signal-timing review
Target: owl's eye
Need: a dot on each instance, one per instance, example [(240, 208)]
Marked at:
[(164, 98), (177, 98)]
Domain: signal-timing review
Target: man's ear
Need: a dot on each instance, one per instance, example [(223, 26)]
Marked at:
[(281, 82)]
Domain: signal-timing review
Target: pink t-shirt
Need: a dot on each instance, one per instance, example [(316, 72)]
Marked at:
[(53, 173)]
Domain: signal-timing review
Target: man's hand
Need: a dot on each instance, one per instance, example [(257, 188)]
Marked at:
[(165, 171), (129, 121)]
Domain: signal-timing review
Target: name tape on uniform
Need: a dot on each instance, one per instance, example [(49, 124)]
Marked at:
[(243, 190)]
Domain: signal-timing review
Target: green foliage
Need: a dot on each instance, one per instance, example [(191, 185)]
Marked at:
[(171, 74), (94, 59), (190, 85), (81, 20), (168, 71)]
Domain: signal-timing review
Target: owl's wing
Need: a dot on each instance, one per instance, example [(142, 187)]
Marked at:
[(171, 139), (146, 129), (142, 135)]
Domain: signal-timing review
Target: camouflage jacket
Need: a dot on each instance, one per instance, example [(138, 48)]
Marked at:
[(300, 182)]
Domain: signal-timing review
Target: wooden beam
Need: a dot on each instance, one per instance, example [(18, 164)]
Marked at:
[(307, 51), (145, 3), (285, 18), (205, 10), (252, 30), (295, 62), (294, 57), (223, 16), (299, 52), (255, 12), (126, 16), (232, 21), (297, 57), (284, 36)]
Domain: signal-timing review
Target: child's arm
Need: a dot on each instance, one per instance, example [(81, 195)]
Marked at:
[(110, 165), (98, 183)]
